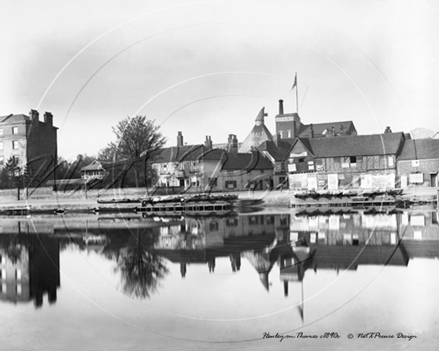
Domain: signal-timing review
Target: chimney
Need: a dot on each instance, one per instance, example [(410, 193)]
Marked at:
[(388, 130), (179, 139), (278, 140), (281, 107), (34, 115), (48, 118), (208, 142), (333, 131), (232, 144), (312, 132)]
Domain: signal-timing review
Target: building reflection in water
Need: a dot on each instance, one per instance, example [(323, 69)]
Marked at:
[(29, 267), (141, 247)]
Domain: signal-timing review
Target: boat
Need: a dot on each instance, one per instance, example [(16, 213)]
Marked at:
[(191, 198), (179, 208), (119, 201)]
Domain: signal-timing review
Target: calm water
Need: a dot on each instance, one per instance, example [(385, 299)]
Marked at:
[(129, 283)]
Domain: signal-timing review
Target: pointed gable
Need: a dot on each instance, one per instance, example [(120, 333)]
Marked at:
[(258, 134)]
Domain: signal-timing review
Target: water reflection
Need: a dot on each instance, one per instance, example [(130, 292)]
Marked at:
[(143, 248), (29, 268), (141, 269)]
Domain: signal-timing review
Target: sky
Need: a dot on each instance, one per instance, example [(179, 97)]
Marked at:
[(207, 67)]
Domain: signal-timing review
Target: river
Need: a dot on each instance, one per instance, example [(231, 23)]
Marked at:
[(255, 281)]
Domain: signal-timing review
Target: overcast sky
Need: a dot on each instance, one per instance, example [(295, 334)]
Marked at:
[(207, 67)]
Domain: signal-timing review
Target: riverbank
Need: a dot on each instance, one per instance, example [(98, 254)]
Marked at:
[(273, 198)]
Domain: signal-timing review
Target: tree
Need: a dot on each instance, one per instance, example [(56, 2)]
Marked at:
[(141, 269), (137, 139), (11, 175), (30, 177)]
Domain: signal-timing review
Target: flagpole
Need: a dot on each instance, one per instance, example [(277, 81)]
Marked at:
[(297, 111)]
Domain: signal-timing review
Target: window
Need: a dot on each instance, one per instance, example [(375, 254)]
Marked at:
[(352, 159), (311, 166), (289, 133), (390, 161), (231, 184), (300, 160), (1, 131), (15, 144), (15, 159), (14, 130)]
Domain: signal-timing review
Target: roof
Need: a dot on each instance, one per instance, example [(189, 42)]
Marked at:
[(181, 153), (420, 149), (94, 166), (14, 118), (355, 145), (248, 162), (258, 135), (323, 129), (277, 152)]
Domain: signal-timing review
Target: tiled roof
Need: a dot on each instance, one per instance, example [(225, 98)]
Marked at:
[(360, 145), (180, 154), (277, 152), (319, 128), (247, 162), (420, 149)]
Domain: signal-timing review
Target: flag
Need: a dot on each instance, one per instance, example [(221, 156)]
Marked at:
[(294, 83)]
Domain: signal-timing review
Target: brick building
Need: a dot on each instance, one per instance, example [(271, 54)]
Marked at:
[(289, 127), (417, 164), (29, 142)]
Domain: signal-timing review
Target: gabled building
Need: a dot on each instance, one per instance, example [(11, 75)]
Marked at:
[(276, 152), (94, 170), (201, 168), (179, 166), (364, 161), (29, 142), (417, 164)]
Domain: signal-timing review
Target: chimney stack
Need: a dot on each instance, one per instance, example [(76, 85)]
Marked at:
[(388, 130), (232, 144), (312, 132), (34, 115), (278, 140), (281, 107), (179, 139), (208, 142), (48, 118)]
